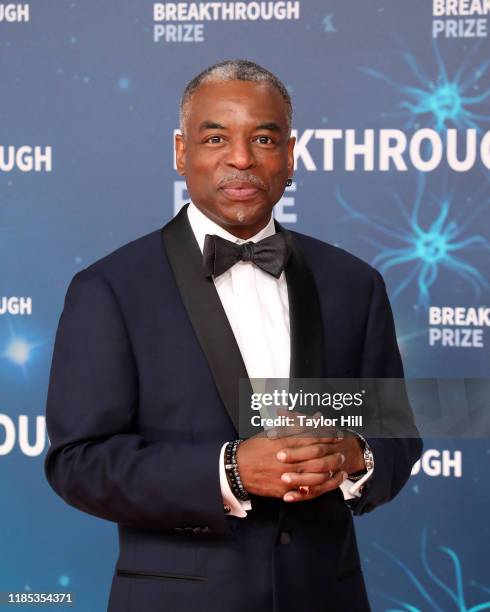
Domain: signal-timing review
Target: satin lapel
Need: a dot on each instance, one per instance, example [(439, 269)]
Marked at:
[(205, 311), (306, 325)]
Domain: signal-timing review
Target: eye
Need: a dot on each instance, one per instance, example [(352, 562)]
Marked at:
[(215, 139), (264, 140)]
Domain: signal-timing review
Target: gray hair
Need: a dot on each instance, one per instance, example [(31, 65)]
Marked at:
[(234, 70)]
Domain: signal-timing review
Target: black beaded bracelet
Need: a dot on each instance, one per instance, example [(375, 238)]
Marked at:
[(231, 466)]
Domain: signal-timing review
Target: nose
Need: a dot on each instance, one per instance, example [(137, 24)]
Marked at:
[(240, 154)]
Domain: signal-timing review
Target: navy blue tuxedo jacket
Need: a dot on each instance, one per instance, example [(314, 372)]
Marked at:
[(144, 392)]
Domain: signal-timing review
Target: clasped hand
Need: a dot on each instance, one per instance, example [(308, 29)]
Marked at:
[(299, 466)]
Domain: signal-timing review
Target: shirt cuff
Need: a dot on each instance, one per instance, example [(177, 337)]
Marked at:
[(237, 507), (352, 489)]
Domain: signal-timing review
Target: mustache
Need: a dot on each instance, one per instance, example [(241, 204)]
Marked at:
[(244, 178)]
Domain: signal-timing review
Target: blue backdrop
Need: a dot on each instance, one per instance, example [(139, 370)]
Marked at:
[(391, 109)]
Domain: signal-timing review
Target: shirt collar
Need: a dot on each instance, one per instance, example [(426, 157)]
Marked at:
[(202, 225)]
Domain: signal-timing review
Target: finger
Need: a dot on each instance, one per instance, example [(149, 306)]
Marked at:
[(294, 427), (284, 412), (331, 435), (288, 431), (306, 438), (296, 480), (306, 452), (333, 462), (307, 429), (315, 491)]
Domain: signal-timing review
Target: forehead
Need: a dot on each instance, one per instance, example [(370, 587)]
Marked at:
[(237, 101)]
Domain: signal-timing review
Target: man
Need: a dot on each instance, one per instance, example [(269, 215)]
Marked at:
[(143, 394)]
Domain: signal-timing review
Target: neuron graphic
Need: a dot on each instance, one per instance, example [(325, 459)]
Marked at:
[(455, 593), (425, 247), (443, 101)]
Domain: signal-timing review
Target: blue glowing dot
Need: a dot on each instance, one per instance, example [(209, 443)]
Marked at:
[(123, 84), (431, 247), (416, 488), (445, 102), (328, 25), (18, 351), (73, 40), (78, 259), (63, 580)]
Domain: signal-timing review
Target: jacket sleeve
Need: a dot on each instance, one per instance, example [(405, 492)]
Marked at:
[(98, 462), (395, 456)]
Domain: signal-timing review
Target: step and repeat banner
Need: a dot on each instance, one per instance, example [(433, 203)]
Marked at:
[(391, 114)]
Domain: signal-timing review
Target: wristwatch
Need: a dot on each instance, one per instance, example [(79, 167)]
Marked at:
[(367, 456)]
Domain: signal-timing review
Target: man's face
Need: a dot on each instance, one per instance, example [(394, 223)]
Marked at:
[(236, 154)]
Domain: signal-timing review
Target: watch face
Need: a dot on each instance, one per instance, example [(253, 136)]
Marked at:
[(368, 459)]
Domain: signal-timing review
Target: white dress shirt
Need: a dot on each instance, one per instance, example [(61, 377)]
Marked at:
[(257, 308)]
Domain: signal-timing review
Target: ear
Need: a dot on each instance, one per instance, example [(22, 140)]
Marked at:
[(291, 143), (180, 153)]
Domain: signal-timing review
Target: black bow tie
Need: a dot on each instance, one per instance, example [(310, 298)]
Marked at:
[(270, 254)]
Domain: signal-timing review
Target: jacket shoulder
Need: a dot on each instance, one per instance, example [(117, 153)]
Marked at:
[(132, 258)]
